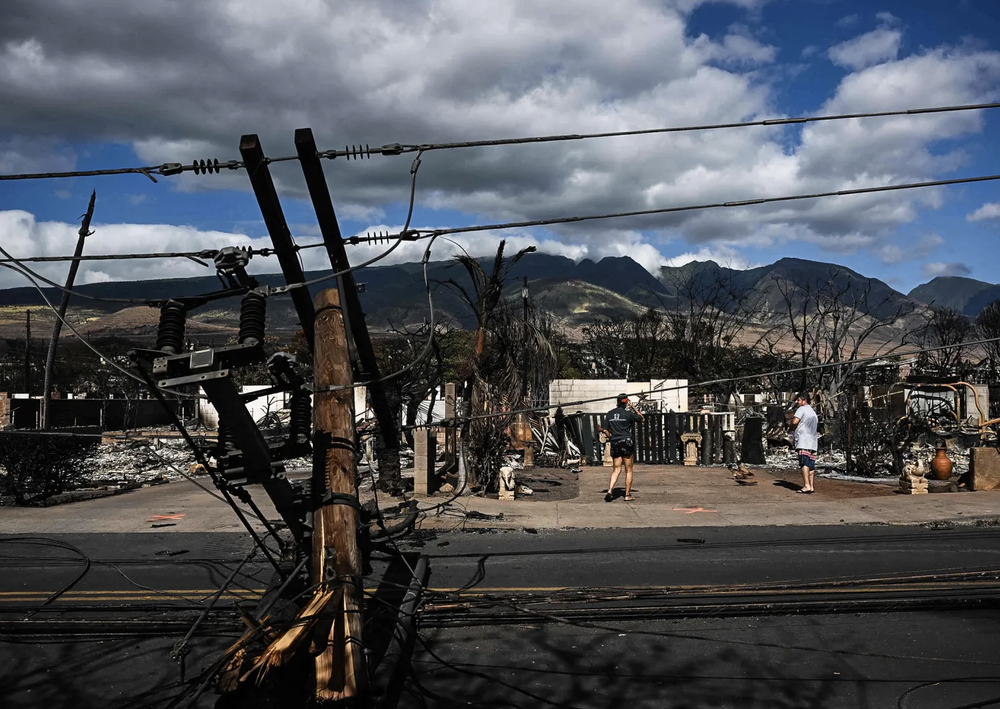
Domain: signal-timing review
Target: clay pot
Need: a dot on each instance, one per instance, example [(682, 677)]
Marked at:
[(941, 464)]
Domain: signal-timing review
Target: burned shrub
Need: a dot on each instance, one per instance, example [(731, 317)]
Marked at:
[(38, 466), (867, 435)]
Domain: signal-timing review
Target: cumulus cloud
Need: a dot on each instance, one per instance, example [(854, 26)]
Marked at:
[(870, 48), (847, 21), (990, 210), (895, 253), (722, 254), (939, 268), (446, 70)]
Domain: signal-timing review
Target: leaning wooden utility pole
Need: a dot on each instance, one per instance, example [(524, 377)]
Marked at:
[(336, 561), (50, 357)]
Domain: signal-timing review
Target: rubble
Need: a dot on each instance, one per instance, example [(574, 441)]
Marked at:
[(145, 461), (832, 464), (141, 461)]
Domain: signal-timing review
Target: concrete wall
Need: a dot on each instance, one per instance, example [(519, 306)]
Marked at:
[(662, 393)]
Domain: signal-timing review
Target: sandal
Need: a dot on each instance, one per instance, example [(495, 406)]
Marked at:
[(629, 498), (609, 497)]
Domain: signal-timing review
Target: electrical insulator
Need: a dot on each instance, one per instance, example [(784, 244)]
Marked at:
[(253, 315), (170, 333), (300, 421), (226, 445)]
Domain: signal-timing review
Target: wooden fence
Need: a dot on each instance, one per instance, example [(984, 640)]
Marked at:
[(658, 437)]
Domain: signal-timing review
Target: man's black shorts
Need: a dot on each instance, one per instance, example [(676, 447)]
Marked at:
[(622, 448)]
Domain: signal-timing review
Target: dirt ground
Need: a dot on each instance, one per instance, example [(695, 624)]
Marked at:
[(549, 484), (830, 489)]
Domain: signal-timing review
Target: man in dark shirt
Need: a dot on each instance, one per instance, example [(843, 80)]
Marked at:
[(618, 427)]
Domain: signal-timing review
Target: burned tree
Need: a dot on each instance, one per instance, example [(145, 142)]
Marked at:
[(987, 327), (834, 321), (414, 352), (494, 369), (708, 326), (636, 347), (948, 330)]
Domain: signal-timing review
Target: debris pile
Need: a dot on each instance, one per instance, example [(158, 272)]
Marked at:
[(153, 460), (141, 461)]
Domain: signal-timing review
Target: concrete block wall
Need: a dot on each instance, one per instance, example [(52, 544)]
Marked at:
[(565, 390)]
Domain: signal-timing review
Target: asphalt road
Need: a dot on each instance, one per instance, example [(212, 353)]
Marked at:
[(568, 653)]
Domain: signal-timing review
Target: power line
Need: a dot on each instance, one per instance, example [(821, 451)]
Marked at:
[(397, 149), (404, 235), (199, 167), (203, 254), (701, 207), (214, 166)]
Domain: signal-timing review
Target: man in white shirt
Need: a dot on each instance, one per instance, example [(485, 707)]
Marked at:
[(805, 423)]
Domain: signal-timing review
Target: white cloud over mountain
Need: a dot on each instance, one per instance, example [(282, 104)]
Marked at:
[(952, 268)]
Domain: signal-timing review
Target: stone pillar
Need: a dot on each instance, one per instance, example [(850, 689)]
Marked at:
[(425, 480), (449, 400), (690, 441)]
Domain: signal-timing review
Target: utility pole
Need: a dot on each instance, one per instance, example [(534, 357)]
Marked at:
[(27, 351), (50, 357), (336, 560)]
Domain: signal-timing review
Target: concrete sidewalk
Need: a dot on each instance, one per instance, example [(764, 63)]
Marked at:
[(666, 496), (672, 496)]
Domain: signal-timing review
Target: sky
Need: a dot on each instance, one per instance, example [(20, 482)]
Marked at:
[(112, 83)]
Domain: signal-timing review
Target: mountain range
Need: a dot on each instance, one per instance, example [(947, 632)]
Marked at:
[(576, 293)]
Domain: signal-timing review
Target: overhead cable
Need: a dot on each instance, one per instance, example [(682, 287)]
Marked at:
[(202, 254), (359, 152), (701, 207), (398, 149), (404, 235), (199, 167)]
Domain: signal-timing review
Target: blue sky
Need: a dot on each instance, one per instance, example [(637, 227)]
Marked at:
[(451, 72)]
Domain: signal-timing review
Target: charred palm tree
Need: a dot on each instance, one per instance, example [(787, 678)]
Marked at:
[(495, 369)]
